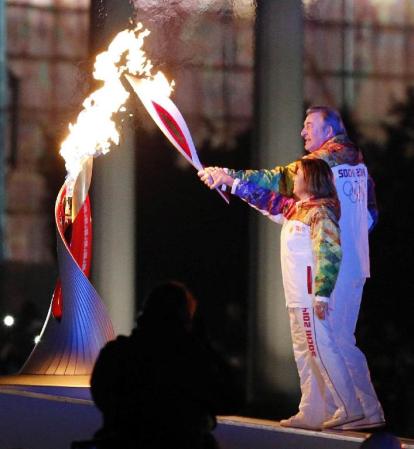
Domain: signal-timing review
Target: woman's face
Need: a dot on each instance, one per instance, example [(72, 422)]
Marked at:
[(299, 185)]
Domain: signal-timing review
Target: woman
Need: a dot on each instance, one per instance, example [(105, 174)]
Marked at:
[(310, 258)]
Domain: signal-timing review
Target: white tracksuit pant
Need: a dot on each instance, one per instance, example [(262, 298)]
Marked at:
[(351, 185), (323, 374), (346, 300)]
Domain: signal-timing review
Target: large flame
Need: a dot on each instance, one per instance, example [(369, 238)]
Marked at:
[(94, 131)]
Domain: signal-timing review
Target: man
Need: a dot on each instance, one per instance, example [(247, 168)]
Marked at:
[(325, 138)]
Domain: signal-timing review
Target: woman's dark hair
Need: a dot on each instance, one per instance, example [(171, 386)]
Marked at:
[(318, 178)]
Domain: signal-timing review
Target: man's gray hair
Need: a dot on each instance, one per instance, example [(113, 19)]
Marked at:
[(331, 117)]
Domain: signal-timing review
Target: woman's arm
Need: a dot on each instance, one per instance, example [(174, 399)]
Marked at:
[(269, 203), (326, 247)]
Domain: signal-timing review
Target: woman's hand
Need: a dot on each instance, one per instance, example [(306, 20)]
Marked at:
[(214, 177), (321, 309)]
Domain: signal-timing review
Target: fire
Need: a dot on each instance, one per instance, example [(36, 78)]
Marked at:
[(94, 131)]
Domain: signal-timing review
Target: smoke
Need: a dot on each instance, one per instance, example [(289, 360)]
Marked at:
[(178, 27), (207, 47), (310, 7), (161, 11), (170, 7)]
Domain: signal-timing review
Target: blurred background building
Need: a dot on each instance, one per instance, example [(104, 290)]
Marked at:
[(245, 71)]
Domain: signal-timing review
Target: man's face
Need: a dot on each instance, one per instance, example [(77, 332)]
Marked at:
[(315, 132)]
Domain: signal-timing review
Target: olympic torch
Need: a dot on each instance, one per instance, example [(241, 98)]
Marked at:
[(169, 119)]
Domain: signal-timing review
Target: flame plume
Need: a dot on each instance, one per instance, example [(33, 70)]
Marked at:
[(95, 131)]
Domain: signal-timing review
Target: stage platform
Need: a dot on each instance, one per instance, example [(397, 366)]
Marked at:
[(52, 416)]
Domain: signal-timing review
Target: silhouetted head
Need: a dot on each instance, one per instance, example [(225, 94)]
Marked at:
[(381, 440), (170, 304)]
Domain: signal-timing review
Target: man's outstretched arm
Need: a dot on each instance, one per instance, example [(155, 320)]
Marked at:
[(279, 179)]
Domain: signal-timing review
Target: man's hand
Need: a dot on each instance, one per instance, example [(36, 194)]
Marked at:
[(214, 177), (321, 309)]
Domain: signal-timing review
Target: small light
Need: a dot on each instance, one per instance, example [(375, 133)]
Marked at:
[(8, 321), (37, 339)]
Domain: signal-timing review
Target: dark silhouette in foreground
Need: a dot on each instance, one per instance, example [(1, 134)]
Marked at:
[(163, 385), (381, 440)]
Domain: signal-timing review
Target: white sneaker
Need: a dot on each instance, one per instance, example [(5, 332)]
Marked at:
[(300, 422), (371, 422), (341, 419)]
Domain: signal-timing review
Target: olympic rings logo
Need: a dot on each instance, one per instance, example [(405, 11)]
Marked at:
[(354, 191)]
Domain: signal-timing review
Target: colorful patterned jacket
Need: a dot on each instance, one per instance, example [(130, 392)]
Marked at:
[(337, 151), (355, 192), (310, 241)]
